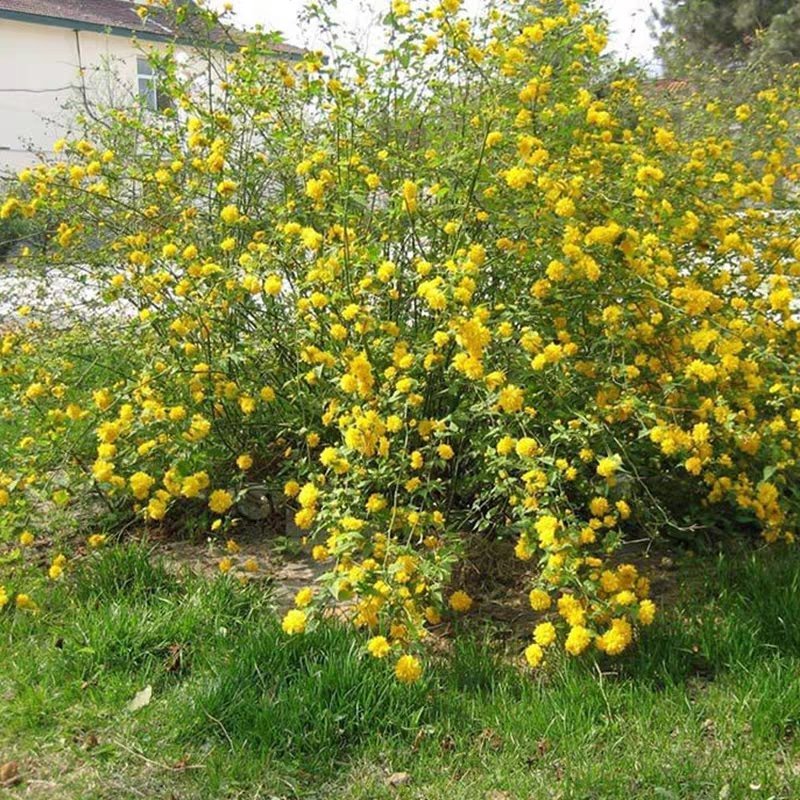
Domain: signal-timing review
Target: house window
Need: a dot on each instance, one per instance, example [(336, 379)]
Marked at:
[(148, 79)]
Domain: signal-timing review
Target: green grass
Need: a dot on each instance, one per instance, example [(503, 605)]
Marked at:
[(708, 706)]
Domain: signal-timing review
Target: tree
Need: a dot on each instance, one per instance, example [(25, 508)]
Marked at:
[(728, 31)]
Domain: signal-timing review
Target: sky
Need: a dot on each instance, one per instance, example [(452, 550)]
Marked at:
[(630, 35)]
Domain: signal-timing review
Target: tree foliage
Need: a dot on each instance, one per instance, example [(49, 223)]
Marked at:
[(729, 32)]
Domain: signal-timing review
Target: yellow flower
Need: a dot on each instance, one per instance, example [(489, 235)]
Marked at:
[(647, 612), (624, 598), (315, 189), (25, 603), (506, 445), (511, 399), (26, 539), (599, 506), (141, 483), (225, 565), (616, 638), (539, 600), (519, 177), (522, 549), (247, 404), (609, 581), (96, 540), (544, 634), (408, 669), (244, 461), (294, 622), (55, 571), (527, 447), (304, 518), (445, 451), (432, 615), (571, 610), (304, 597), (102, 470), (460, 601), (693, 465), (410, 196), (220, 501), (386, 271), (534, 655), (546, 527), (578, 640), (102, 398), (606, 467), (308, 495), (565, 207), (319, 552), (273, 284), (400, 8), (230, 215), (493, 138), (156, 508), (378, 647)]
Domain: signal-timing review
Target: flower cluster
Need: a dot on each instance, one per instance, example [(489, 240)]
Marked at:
[(474, 288)]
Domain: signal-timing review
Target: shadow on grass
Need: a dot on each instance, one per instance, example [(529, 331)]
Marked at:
[(741, 612)]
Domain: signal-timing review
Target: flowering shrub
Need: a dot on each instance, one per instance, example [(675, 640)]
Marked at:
[(468, 289)]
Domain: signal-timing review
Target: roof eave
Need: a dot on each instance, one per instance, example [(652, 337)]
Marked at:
[(113, 30)]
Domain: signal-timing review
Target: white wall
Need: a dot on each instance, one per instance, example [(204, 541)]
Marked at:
[(39, 75)]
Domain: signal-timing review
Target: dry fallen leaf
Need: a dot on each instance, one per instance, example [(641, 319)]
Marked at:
[(182, 764), (9, 773), (398, 779), (141, 699), (174, 660), (490, 738)]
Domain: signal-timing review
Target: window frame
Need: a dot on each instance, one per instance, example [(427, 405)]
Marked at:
[(147, 86)]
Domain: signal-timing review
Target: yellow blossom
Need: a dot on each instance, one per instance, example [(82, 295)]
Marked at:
[(378, 647), (294, 622), (408, 669), (460, 601), (220, 501)]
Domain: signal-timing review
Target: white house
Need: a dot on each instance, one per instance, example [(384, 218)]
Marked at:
[(54, 53)]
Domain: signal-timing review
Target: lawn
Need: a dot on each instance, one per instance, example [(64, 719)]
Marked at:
[(707, 706)]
